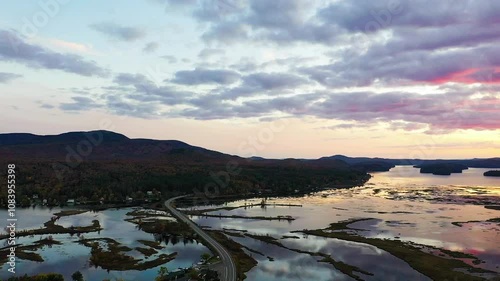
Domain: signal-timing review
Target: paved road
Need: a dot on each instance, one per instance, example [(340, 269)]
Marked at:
[(229, 272)]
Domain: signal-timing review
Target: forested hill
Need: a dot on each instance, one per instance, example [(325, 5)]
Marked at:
[(94, 146), (25, 138), (472, 163), (105, 166)]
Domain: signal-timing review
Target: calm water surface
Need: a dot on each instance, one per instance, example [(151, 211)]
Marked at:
[(402, 204), (70, 257)]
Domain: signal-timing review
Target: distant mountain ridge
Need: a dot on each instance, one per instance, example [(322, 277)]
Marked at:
[(95, 145), (472, 163), (102, 164), (27, 138), (111, 146), (107, 145)]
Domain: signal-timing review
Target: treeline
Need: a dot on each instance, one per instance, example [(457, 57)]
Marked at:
[(117, 181), (493, 173), (39, 277)]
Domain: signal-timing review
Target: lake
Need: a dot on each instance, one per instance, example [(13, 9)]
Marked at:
[(403, 205)]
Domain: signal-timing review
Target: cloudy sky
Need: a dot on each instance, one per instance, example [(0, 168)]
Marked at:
[(281, 78)]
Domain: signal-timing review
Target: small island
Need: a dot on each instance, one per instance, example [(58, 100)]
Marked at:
[(375, 166), (492, 173), (441, 169)]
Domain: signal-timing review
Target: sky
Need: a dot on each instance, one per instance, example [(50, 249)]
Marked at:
[(281, 78)]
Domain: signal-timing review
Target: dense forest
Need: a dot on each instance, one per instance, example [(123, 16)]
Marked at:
[(105, 167), (100, 167), (493, 173), (444, 169), (114, 182)]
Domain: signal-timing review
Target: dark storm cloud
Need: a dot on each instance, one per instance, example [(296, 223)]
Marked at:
[(7, 77), (119, 32), (206, 76), (14, 48)]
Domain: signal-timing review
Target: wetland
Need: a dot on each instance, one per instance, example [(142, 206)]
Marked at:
[(400, 225)]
